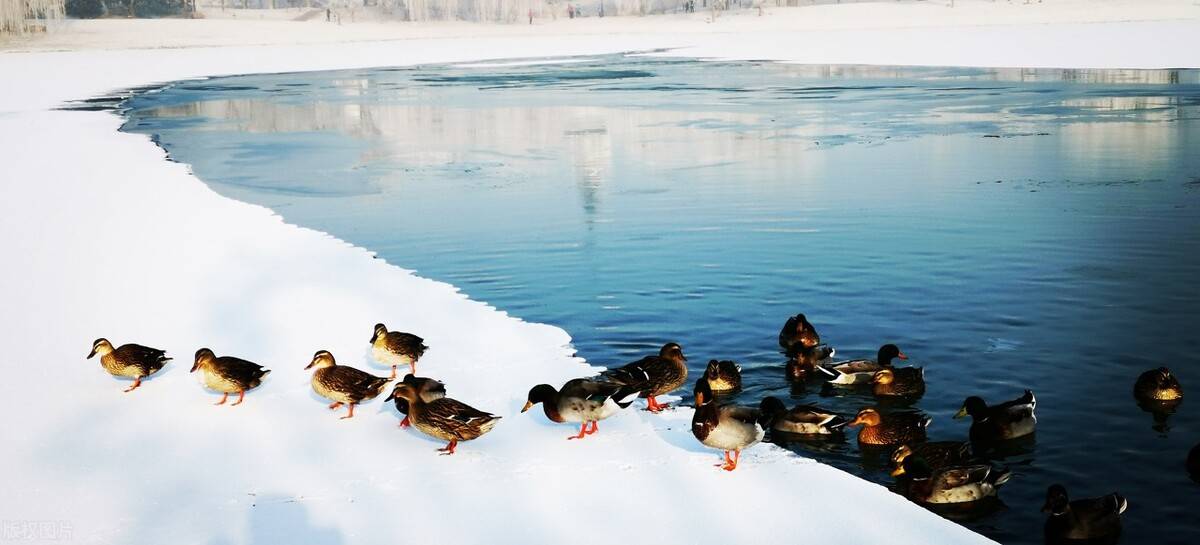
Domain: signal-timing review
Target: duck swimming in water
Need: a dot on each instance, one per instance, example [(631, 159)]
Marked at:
[(1087, 519), (797, 332), (653, 375), (130, 360), (950, 485), (723, 376), (801, 419), (802, 363), (906, 382), (1008, 420), (581, 400), (1158, 385), (890, 429), (851, 372)]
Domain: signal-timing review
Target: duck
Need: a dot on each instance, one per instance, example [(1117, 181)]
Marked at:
[(723, 376), (429, 389), (890, 429), (396, 348), (906, 382), (653, 375), (801, 419), (228, 374), (1008, 420), (583, 400), (950, 485), (444, 418), (802, 363), (797, 331), (343, 384), (1087, 519), (730, 428), (935, 454), (1158, 385), (851, 372), (129, 360)]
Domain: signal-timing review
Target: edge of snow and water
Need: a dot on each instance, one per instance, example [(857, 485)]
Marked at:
[(104, 237)]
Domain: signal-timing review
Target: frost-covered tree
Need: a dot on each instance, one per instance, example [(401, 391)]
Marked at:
[(23, 16)]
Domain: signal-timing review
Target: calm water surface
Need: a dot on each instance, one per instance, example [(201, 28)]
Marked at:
[(1009, 229)]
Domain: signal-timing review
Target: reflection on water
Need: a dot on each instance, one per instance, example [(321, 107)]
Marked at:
[(1007, 228)]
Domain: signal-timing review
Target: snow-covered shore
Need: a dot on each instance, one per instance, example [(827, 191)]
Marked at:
[(103, 237)]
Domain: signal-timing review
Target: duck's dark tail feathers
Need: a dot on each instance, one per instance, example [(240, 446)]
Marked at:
[(626, 396), (1122, 503), (1000, 476)]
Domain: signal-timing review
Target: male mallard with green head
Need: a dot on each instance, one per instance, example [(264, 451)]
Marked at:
[(342, 384), (653, 375), (723, 376), (228, 374), (853, 372), (581, 400), (1087, 519), (797, 332), (396, 348), (949, 485), (429, 390), (890, 429), (444, 418), (731, 428), (1158, 385), (801, 419), (1008, 420), (130, 360), (907, 382)]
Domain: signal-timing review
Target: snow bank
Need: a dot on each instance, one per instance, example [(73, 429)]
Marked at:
[(103, 237)]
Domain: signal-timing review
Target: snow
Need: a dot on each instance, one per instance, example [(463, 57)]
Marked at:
[(103, 237)]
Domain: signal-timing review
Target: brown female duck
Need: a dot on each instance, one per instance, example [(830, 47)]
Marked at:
[(429, 390), (228, 374), (723, 376), (130, 360), (1158, 385), (802, 363), (1008, 420), (890, 429), (731, 428), (851, 372), (342, 384), (801, 419), (797, 332), (396, 348), (936, 454), (653, 375), (907, 382), (1087, 519), (444, 418), (581, 400)]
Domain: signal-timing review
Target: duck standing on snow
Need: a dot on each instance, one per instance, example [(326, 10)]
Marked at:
[(429, 390), (653, 375), (397, 348), (906, 382), (1158, 385), (890, 429), (802, 419), (723, 376), (798, 333), (1008, 420), (949, 485), (581, 400), (851, 372), (130, 360), (228, 374), (726, 427), (802, 363), (444, 418), (342, 384), (1088, 519)]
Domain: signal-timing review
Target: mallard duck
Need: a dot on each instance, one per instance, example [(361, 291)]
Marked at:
[(723, 376), (581, 400), (1157, 385), (397, 348), (1008, 420), (444, 418), (130, 360), (429, 390), (653, 375), (890, 429), (954, 484), (802, 363), (1092, 518), (798, 332), (936, 454), (228, 374), (861, 371), (342, 384), (899, 382), (801, 419), (731, 428)]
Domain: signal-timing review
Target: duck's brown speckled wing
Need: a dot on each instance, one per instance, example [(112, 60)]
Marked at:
[(356, 384), (457, 419), (652, 375), (955, 477), (429, 389), (405, 343), (245, 373), (810, 414), (149, 360)]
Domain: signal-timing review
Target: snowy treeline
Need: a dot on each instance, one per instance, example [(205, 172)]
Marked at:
[(22, 16)]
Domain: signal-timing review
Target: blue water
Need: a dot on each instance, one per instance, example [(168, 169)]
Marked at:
[(1008, 229)]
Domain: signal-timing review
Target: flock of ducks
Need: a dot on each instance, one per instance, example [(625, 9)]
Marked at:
[(934, 473)]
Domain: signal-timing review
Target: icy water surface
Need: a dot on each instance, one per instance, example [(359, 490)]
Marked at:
[(1008, 229)]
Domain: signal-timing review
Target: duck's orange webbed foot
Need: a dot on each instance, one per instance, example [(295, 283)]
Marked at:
[(449, 449), (136, 382), (335, 405), (223, 398), (241, 397), (582, 432), (404, 423), (595, 427), (349, 414)]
